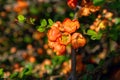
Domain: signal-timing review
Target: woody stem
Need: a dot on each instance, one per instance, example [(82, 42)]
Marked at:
[(73, 65)]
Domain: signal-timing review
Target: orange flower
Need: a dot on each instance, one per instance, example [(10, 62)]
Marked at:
[(53, 34), (84, 11), (20, 5), (58, 25), (65, 39), (87, 8), (70, 26), (78, 40), (51, 44), (59, 48), (72, 3)]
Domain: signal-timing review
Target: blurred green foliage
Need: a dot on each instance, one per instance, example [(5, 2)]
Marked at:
[(24, 52)]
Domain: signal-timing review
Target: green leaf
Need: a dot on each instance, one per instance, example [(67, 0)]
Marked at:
[(27, 70), (117, 20), (1, 72), (14, 75), (29, 67), (98, 2), (50, 68), (91, 32), (99, 35), (41, 29), (43, 23), (32, 20), (21, 18), (71, 14), (94, 35), (50, 21)]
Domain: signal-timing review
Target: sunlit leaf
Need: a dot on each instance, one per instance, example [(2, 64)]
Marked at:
[(71, 14), (117, 20), (41, 29), (43, 23), (98, 2), (1, 72), (50, 21), (94, 35), (32, 20), (99, 35), (29, 67), (21, 18), (91, 32)]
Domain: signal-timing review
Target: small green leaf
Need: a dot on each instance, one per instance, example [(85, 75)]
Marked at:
[(71, 14), (43, 23), (29, 67), (91, 32), (1, 72), (14, 75), (22, 74), (98, 2), (32, 20), (21, 18), (27, 70), (99, 35), (41, 29), (50, 21), (94, 35), (117, 20)]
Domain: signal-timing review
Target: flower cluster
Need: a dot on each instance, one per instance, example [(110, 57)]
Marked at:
[(72, 3), (86, 7), (102, 21), (62, 34)]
